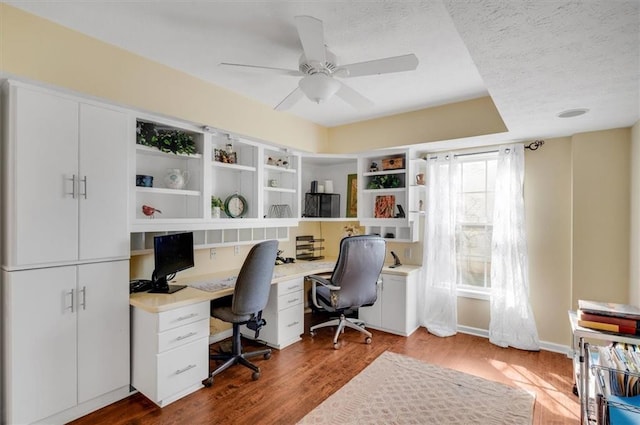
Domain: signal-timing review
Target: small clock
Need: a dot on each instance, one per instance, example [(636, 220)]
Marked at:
[(235, 206)]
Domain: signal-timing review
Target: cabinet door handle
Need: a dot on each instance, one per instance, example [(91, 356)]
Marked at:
[(188, 316), (71, 294), (84, 297), (84, 180), (73, 192), (189, 335), (292, 300), (293, 324), (183, 370)]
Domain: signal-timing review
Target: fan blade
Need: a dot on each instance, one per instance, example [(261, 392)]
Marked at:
[(379, 66), (352, 97), (311, 35), (291, 99), (278, 71)]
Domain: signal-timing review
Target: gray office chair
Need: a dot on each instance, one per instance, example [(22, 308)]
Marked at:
[(352, 284), (250, 297)]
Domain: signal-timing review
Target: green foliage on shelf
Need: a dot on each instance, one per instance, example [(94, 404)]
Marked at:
[(384, 182), (167, 140), (216, 202)]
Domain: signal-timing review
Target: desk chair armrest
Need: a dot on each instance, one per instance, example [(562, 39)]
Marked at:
[(315, 280)]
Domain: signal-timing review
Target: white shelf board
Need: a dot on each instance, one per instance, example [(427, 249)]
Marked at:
[(236, 167), (279, 189), (279, 169), (166, 191), (148, 150), (390, 189), (384, 173)]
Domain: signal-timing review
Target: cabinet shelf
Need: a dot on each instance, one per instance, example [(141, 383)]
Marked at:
[(236, 167), (279, 189), (279, 169), (165, 191), (384, 173), (147, 150), (389, 189)]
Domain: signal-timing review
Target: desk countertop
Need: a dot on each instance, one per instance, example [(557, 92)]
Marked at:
[(217, 285)]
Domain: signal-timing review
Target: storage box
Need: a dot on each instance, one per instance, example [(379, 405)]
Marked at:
[(393, 163), (322, 205)]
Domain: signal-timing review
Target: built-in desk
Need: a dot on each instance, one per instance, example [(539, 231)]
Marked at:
[(170, 332)]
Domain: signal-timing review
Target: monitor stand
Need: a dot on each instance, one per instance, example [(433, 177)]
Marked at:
[(161, 286)]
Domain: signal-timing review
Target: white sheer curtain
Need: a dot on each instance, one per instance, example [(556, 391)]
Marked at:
[(437, 299), (512, 321)]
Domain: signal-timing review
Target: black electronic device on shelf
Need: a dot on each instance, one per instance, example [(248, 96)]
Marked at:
[(171, 253)]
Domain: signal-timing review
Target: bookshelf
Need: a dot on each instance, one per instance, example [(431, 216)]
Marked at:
[(585, 371)]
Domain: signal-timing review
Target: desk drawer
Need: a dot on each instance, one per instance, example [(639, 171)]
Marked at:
[(292, 285), (291, 323), (182, 335), (289, 300), (182, 367), (181, 316)]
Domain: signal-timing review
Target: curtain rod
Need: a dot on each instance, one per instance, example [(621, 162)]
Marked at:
[(531, 146)]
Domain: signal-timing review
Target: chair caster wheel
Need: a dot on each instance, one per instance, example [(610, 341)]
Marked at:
[(267, 356), (312, 333), (208, 382), (367, 340), (336, 345), (255, 376)]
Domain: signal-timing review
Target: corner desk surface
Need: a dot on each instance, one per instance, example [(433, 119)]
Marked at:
[(155, 303)]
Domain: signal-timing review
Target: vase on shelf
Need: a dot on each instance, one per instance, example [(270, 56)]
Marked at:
[(215, 212), (176, 178)]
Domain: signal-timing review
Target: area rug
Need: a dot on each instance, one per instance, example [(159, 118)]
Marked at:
[(396, 389)]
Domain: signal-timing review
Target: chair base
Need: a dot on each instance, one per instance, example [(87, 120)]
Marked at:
[(236, 356), (341, 323)]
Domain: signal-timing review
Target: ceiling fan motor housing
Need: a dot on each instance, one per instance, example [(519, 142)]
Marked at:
[(310, 68)]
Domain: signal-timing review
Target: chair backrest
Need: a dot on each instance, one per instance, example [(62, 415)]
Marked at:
[(357, 270), (251, 292)]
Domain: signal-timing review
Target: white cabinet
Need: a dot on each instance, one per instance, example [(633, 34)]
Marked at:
[(280, 184), (170, 353), (66, 340), (65, 177), (284, 315), (395, 310), (388, 194)]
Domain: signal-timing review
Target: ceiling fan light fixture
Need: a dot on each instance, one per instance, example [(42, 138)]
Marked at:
[(319, 87)]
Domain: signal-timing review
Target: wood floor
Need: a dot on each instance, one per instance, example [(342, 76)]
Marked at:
[(298, 378)]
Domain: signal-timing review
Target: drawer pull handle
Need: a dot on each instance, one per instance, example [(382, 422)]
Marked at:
[(190, 334), (290, 288), (188, 316), (292, 300), (183, 370), (292, 324)]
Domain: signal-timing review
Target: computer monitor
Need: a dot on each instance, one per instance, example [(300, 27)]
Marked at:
[(172, 253)]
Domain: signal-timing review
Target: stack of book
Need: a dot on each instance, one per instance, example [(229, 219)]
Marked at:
[(610, 317)]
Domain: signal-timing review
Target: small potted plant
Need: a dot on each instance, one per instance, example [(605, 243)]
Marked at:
[(216, 205)]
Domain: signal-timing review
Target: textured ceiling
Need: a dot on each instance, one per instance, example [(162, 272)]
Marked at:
[(534, 58)]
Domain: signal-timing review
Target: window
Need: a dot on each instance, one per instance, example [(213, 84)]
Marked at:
[(474, 221)]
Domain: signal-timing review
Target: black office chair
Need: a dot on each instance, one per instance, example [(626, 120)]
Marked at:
[(250, 297), (352, 284)]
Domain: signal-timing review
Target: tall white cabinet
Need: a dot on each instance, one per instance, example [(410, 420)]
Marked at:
[(65, 255)]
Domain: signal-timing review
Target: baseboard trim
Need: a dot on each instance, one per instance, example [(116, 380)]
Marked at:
[(547, 346)]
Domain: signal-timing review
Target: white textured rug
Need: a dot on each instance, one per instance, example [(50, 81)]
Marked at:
[(396, 389)]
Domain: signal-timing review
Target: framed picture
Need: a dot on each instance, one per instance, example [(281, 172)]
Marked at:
[(221, 155), (384, 207), (352, 195)]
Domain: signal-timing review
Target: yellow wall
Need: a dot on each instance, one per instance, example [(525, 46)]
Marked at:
[(457, 120), (601, 220), (634, 272)]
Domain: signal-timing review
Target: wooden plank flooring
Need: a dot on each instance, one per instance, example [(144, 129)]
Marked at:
[(298, 378)]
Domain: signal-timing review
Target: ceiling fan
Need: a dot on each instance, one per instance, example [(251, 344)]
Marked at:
[(318, 69)]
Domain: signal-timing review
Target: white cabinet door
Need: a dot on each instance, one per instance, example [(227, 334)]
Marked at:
[(103, 183), (372, 315), (394, 303), (40, 343), (103, 328), (44, 150)]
